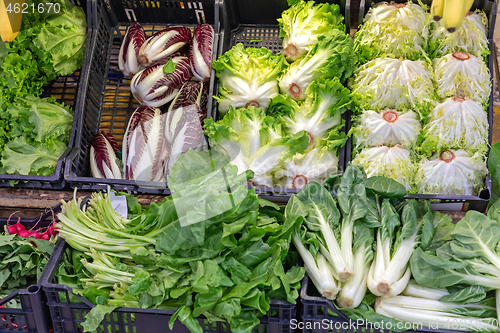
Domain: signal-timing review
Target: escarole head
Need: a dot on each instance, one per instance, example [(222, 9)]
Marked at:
[(387, 127), (452, 172), (454, 73)]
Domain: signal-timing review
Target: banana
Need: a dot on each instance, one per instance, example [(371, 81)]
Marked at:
[(437, 8), (468, 6), (453, 14), (10, 21)]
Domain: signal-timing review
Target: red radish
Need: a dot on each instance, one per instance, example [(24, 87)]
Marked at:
[(52, 230), (45, 236), (19, 226), (12, 230), (24, 233), (3, 316), (34, 234)]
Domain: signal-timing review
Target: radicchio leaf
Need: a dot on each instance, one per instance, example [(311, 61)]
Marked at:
[(183, 131), (129, 51), (162, 44), (144, 147), (103, 158), (152, 87), (200, 52), (191, 93)]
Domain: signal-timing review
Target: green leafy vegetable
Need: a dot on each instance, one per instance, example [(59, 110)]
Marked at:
[(213, 248)]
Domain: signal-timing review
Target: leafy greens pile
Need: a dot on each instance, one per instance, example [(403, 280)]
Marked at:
[(49, 45), (205, 250), (21, 263)]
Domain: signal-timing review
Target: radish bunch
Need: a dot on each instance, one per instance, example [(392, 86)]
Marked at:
[(41, 233)]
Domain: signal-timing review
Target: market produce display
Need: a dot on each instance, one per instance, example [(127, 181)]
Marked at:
[(420, 112), (172, 89), (284, 120), (35, 131), (202, 251)]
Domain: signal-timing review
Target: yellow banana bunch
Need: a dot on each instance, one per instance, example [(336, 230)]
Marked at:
[(451, 11), (11, 16)]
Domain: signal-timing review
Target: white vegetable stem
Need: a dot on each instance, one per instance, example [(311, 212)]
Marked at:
[(335, 256), (322, 274), (413, 289), (431, 313), (354, 290), (389, 277)]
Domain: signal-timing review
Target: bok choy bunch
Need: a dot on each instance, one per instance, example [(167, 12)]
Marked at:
[(335, 239), (436, 314), (400, 30), (468, 257), (396, 239)]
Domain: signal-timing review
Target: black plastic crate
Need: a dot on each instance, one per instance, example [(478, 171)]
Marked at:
[(31, 313), (319, 315), (66, 89), (254, 23), (31, 317), (453, 202), (107, 102), (67, 316)]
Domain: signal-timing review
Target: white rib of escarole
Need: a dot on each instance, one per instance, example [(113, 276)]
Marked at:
[(453, 172), (391, 162), (393, 83), (463, 75), (459, 122), (470, 37), (388, 128)]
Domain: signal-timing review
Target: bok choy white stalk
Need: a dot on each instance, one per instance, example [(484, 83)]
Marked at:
[(353, 291), (390, 271), (435, 314)]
